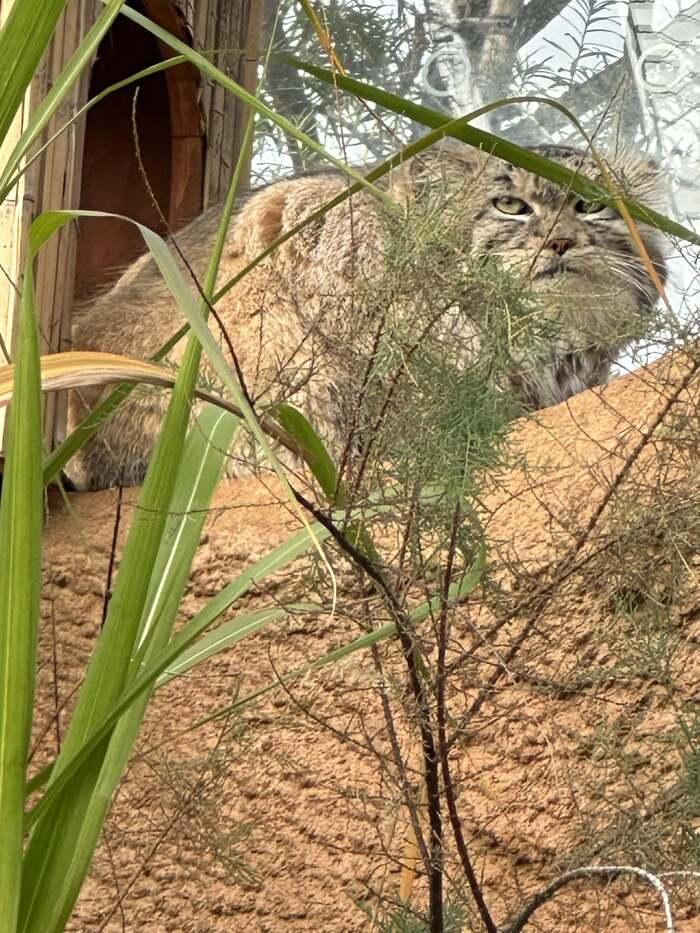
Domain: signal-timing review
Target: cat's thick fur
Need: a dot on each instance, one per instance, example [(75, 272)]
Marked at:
[(583, 265)]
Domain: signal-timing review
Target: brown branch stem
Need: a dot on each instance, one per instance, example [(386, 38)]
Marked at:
[(411, 655), (450, 797)]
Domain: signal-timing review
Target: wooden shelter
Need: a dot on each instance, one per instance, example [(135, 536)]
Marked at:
[(189, 133)]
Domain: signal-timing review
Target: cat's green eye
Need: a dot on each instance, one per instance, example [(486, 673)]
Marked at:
[(508, 205), (590, 207)]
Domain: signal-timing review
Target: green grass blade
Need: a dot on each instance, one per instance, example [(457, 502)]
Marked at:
[(228, 634), (511, 152), (315, 454), (23, 41), (202, 466), (58, 848), (198, 477), (187, 304), (81, 58), (20, 593), (321, 465), (61, 846), (457, 592), (278, 558)]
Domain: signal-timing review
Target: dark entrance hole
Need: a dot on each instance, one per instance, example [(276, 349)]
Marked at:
[(170, 143)]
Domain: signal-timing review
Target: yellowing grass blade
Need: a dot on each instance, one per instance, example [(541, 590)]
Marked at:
[(86, 368), (79, 368), (75, 369)]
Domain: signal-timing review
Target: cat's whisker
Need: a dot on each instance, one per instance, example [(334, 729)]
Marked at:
[(630, 271)]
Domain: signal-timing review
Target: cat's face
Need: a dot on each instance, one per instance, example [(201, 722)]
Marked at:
[(577, 257), (563, 245)]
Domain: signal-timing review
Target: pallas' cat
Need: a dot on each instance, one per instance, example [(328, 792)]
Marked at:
[(292, 320)]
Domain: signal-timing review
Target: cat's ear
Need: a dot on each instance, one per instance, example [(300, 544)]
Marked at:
[(448, 165), (641, 178), (260, 221)]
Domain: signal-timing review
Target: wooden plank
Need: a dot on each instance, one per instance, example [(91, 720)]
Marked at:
[(225, 28), (230, 41), (217, 113), (253, 23), (200, 27), (64, 192), (238, 28), (60, 181)]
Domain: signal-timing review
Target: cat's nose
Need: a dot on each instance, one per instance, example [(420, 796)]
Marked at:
[(560, 245)]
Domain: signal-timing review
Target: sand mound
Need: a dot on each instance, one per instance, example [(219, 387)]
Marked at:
[(575, 673)]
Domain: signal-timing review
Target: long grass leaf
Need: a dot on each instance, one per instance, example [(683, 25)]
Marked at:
[(59, 457), (78, 368), (20, 590), (198, 477), (60, 848), (202, 465), (228, 634), (23, 41), (457, 593), (511, 152), (279, 557), (187, 304)]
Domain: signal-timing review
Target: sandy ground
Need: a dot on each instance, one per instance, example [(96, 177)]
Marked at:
[(288, 816)]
